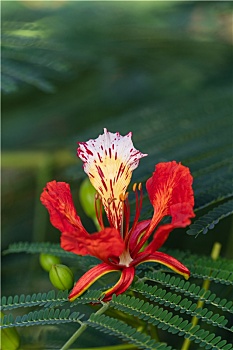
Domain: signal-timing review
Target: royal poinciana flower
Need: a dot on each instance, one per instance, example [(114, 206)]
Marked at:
[(109, 161)]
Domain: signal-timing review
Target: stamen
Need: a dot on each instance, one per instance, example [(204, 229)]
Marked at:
[(110, 200), (139, 200), (109, 214), (97, 196), (125, 217), (123, 197)]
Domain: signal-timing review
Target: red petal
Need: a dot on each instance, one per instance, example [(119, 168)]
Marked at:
[(170, 184), (122, 285), (74, 243), (57, 198), (135, 235), (163, 259), (170, 192), (89, 278), (104, 245), (180, 213)]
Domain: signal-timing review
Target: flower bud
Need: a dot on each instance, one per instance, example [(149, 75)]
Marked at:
[(87, 198), (10, 339), (47, 261), (61, 277)]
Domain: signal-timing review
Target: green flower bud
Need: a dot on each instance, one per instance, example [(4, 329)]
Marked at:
[(61, 277), (47, 261), (10, 339), (87, 198)]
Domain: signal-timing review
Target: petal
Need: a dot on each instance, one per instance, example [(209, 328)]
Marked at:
[(180, 218), (163, 259), (109, 161), (127, 276), (170, 184), (136, 234), (171, 194), (103, 245), (57, 198), (89, 278)]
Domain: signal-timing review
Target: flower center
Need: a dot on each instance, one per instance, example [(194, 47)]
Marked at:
[(125, 258)]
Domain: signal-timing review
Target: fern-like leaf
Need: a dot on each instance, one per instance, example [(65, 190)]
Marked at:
[(215, 275), (183, 305), (209, 220), (166, 321), (41, 317), (33, 248), (123, 331), (214, 193), (48, 300), (91, 296), (189, 289), (50, 248)]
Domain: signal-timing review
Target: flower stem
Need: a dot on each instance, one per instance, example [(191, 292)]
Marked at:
[(82, 328), (206, 284)]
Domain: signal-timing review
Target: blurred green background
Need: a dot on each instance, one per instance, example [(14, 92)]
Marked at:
[(161, 69)]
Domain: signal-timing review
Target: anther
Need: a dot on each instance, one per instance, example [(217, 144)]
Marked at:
[(97, 196), (110, 200), (123, 196), (140, 186), (134, 186)]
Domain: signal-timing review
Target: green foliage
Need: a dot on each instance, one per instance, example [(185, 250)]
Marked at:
[(161, 299), (49, 299), (120, 329), (54, 249), (41, 317), (176, 302), (28, 56), (166, 320), (50, 248), (180, 285), (208, 221)]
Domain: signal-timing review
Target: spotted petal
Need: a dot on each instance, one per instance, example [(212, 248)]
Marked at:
[(109, 161)]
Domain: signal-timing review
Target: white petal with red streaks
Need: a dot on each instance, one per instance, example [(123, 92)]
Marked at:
[(109, 161)]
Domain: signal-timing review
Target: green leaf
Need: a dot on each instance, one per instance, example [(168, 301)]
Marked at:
[(209, 220)]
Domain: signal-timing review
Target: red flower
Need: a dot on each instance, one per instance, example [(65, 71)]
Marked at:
[(109, 161)]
